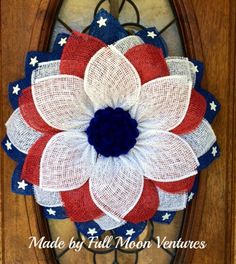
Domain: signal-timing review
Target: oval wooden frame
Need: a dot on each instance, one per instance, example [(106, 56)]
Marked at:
[(208, 31)]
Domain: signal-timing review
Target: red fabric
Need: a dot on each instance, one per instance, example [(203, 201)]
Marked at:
[(79, 205), (77, 52), (148, 61), (31, 167), (30, 113), (177, 186), (146, 206), (195, 114)]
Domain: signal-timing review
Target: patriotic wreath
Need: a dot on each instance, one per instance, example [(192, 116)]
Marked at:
[(109, 131)]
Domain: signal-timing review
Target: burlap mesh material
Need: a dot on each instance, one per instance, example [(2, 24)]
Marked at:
[(124, 44), (149, 62), (79, 204), (146, 206), (62, 102), (172, 202), (195, 114), (108, 223), (46, 198), (111, 80), (30, 113), (77, 53), (163, 103), (181, 186), (201, 139), (20, 134)]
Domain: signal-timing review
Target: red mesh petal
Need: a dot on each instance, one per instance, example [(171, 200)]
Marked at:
[(77, 52), (177, 186), (148, 61), (147, 204), (31, 168), (196, 111), (30, 113), (79, 204)]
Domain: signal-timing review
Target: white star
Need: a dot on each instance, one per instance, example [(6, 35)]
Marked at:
[(214, 151), (102, 22), (92, 231), (33, 61), (62, 41), (22, 184), (190, 197), (213, 106), (195, 69), (166, 216), (16, 89), (51, 212), (130, 232), (151, 34), (8, 145)]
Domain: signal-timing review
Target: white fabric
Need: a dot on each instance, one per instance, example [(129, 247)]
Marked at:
[(111, 80), (115, 187), (67, 161), (21, 135), (201, 139), (181, 66), (45, 69), (163, 102), (62, 102), (124, 44), (164, 156), (47, 198), (107, 223), (171, 202)]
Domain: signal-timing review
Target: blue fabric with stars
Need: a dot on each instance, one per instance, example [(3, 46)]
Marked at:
[(194, 190), (164, 217), (89, 229), (57, 212)]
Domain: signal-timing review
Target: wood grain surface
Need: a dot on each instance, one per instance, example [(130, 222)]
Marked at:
[(208, 29)]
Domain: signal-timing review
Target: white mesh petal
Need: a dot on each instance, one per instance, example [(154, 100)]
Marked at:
[(201, 139), (20, 133), (47, 198), (45, 69), (108, 223), (115, 187), (124, 44), (111, 80), (181, 66), (163, 102), (171, 202), (67, 162), (164, 156), (62, 102)]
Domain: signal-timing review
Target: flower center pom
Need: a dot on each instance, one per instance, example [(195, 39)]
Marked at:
[(112, 132)]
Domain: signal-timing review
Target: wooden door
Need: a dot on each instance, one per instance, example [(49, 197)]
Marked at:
[(208, 30)]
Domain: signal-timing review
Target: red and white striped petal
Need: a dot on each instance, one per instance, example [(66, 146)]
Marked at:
[(62, 103), (67, 162), (115, 187), (163, 103), (111, 80)]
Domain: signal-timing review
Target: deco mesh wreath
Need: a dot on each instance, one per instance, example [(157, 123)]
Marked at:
[(109, 131)]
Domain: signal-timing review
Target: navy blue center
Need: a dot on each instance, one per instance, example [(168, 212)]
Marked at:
[(112, 132)]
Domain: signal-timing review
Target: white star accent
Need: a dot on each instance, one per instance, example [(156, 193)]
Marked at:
[(195, 69), (166, 216), (213, 106), (130, 232), (16, 89), (22, 184), (102, 22), (214, 151), (33, 61), (92, 231), (8, 145), (190, 197), (62, 41), (51, 212), (151, 34)]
